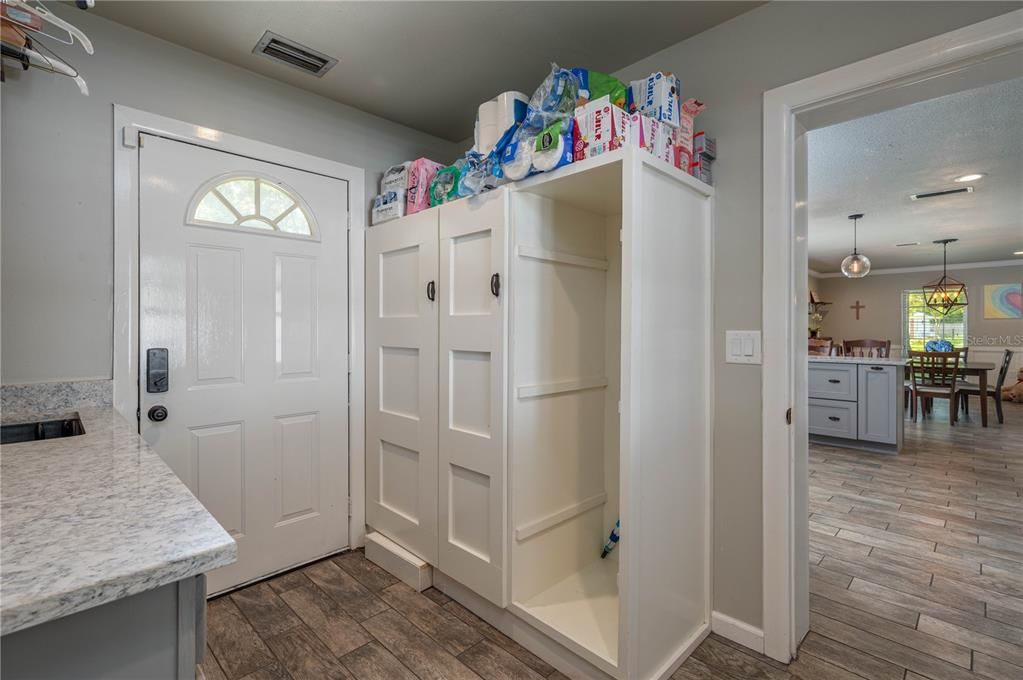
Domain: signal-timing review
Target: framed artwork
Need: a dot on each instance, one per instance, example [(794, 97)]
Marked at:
[(1003, 301)]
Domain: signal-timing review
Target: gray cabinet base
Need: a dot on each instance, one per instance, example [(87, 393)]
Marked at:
[(151, 635), (858, 444)]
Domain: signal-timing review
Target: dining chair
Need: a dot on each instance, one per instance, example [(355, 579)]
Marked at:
[(966, 389), (934, 377), (879, 349), (819, 347)]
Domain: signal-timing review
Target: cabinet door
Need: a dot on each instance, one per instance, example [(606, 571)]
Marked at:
[(401, 382), (472, 294), (879, 399)]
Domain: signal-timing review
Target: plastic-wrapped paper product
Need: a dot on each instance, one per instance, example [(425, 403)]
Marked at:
[(553, 146), (386, 212), (420, 175), (388, 197), (593, 85), (657, 96), (554, 100), (684, 135), (517, 159), (395, 178)]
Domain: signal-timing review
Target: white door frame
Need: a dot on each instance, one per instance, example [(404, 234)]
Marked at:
[(128, 123), (900, 68)]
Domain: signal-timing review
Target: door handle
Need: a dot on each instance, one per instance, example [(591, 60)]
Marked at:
[(834, 381), (158, 413), (431, 291), (495, 285), (834, 419)]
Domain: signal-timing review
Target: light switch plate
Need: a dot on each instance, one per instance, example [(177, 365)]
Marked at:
[(742, 347)]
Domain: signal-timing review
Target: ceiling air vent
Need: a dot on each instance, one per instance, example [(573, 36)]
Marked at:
[(936, 194), (290, 53)]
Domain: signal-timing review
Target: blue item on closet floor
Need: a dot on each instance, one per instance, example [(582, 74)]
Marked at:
[(612, 540)]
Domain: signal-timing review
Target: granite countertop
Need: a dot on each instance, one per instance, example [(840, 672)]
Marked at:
[(873, 361), (94, 518)]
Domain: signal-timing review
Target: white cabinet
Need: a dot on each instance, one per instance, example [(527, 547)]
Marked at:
[(401, 382), (570, 387), (473, 497)]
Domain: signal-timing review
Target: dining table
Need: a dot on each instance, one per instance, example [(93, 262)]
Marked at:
[(979, 369)]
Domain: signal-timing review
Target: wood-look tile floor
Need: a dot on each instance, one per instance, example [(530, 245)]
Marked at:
[(916, 572), (916, 562)]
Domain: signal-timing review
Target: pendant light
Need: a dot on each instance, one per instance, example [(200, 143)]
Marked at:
[(946, 294), (855, 266)]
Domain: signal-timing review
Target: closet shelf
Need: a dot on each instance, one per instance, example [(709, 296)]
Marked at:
[(581, 612), (561, 258), (560, 517), (547, 389)]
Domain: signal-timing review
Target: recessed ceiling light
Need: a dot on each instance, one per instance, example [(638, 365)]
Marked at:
[(970, 178)]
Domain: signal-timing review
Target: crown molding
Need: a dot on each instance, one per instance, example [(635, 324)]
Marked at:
[(927, 268)]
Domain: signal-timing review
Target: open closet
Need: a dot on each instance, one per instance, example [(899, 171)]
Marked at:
[(539, 368)]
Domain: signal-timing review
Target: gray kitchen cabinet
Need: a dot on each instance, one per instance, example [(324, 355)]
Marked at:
[(856, 403), (879, 419)]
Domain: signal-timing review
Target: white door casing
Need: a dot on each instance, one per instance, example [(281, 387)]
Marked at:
[(256, 328), (401, 383), (473, 318)]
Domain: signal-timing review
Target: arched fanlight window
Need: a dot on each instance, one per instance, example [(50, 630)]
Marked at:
[(251, 202)]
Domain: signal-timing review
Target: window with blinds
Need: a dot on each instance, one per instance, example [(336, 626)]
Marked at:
[(920, 323)]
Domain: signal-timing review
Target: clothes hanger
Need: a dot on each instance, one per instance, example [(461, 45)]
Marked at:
[(40, 11), (28, 56)]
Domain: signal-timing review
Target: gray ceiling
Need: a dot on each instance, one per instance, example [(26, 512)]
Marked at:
[(428, 65), (873, 164)]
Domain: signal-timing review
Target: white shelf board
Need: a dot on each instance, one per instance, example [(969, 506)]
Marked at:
[(581, 612), (593, 185)]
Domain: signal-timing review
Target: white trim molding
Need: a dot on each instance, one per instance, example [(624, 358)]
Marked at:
[(926, 268), (737, 631), (786, 109), (128, 123)]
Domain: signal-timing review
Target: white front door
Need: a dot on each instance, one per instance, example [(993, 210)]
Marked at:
[(243, 280)]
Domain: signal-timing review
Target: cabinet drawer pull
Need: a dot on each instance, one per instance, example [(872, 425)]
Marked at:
[(877, 368), (834, 419), (834, 381)]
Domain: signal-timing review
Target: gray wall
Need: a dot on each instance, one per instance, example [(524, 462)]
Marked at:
[(57, 208), (730, 67), (882, 295)]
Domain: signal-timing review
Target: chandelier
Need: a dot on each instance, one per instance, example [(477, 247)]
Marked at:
[(945, 294)]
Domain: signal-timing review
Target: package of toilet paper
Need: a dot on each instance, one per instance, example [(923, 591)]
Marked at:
[(417, 193), (395, 178)]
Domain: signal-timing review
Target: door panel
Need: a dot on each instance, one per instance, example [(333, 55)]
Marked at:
[(255, 323), (401, 382), (472, 377)]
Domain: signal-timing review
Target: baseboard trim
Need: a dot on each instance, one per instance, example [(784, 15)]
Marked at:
[(398, 561), (737, 631)]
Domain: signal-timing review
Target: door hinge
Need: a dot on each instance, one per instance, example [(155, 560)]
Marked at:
[(788, 416), (138, 414), (349, 506)]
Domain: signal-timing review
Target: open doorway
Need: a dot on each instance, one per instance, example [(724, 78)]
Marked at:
[(836, 124)]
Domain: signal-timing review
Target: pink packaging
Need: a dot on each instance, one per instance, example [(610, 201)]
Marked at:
[(684, 136), (420, 174), (641, 131)]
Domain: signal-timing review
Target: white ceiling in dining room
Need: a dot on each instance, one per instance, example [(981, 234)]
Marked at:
[(873, 164), (427, 65)]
